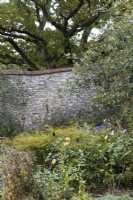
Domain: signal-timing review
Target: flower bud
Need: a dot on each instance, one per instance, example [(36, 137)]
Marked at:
[(54, 161)]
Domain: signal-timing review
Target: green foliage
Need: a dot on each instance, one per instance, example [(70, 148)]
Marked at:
[(101, 158), (65, 179), (112, 197), (29, 198), (108, 67), (9, 127), (17, 177), (27, 41), (12, 67), (40, 141), (127, 111)]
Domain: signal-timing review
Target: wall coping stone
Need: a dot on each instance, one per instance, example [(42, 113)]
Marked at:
[(34, 73)]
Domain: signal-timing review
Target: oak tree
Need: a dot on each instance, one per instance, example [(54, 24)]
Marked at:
[(38, 34)]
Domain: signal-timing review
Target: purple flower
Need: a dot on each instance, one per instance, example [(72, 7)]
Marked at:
[(99, 127)]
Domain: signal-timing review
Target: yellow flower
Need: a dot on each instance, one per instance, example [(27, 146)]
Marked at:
[(54, 161), (67, 139), (66, 144)]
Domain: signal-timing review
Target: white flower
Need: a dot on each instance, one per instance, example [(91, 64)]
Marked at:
[(106, 137), (112, 133)]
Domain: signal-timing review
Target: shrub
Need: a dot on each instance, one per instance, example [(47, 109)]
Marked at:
[(62, 178), (107, 65), (40, 141), (18, 181), (102, 154)]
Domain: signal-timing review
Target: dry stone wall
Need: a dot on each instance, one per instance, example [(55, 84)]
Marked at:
[(32, 99)]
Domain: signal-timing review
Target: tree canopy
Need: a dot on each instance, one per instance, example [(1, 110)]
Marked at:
[(27, 40), (108, 64)]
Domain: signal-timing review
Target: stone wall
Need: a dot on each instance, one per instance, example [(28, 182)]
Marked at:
[(32, 99)]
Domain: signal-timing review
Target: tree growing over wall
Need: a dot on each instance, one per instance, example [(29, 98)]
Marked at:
[(27, 41), (108, 64)]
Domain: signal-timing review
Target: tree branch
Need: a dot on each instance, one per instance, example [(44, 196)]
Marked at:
[(41, 21), (92, 20), (40, 3), (38, 41), (45, 8), (75, 10), (22, 32), (18, 37), (84, 39), (25, 58), (77, 27)]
